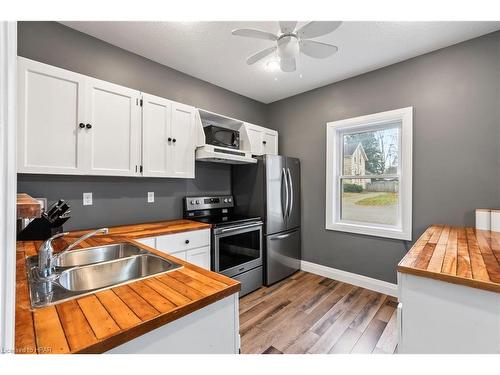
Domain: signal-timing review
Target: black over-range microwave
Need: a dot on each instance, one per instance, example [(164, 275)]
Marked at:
[(223, 137)]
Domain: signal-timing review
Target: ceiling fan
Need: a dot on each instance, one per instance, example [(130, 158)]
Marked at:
[(291, 41)]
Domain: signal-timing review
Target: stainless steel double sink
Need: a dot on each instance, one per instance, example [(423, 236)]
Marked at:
[(86, 271)]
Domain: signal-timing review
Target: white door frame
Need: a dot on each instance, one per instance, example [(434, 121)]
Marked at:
[(8, 183)]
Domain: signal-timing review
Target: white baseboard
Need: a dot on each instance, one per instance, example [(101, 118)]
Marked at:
[(351, 278)]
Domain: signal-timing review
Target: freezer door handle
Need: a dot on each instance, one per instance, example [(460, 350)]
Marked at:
[(289, 174), (280, 237), (287, 197)]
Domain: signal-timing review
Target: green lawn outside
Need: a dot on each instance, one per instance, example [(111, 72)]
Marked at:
[(383, 199)]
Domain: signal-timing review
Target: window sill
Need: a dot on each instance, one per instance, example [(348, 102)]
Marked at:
[(395, 233)]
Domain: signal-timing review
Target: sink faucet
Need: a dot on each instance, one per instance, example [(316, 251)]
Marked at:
[(46, 257)]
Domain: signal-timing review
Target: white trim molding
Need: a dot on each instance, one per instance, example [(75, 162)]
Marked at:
[(335, 131), (8, 183), (350, 278)]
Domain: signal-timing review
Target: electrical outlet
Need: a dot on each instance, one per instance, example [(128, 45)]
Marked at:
[(151, 196), (87, 199)]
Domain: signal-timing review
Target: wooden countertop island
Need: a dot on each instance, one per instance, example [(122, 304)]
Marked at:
[(449, 293), (459, 255), (104, 320)]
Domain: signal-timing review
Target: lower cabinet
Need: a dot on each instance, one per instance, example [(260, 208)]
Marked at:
[(200, 257), (213, 329), (193, 246), (437, 317)]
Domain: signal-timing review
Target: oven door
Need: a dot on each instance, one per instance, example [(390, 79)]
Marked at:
[(237, 249)]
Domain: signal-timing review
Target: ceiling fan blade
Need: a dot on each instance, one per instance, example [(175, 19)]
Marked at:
[(317, 50), (288, 64), (253, 33), (287, 27), (260, 55), (317, 28)]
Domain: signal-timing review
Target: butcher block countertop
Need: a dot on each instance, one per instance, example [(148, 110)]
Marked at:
[(458, 255), (101, 321), (27, 207)]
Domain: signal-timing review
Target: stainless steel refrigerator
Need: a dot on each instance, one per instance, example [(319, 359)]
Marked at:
[(271, 189)]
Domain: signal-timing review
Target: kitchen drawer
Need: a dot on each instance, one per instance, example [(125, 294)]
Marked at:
[(172, 243)]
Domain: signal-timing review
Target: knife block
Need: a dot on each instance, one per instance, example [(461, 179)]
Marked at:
[(41, 229)]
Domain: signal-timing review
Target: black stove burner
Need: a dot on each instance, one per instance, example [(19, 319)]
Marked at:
[(224, 219)]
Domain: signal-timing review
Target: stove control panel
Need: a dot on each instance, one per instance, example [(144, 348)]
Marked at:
[(207, 203)]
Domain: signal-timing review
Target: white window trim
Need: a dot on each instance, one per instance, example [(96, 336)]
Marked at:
[(333, 164)]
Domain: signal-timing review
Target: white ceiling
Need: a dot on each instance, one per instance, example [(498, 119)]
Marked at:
[(208, 51)]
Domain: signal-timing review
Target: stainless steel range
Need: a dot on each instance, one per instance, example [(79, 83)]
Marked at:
[(236, 239)]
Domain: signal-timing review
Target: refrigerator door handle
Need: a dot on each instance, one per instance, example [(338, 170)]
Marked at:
[(287, 197), (280, 237), (289, 174)]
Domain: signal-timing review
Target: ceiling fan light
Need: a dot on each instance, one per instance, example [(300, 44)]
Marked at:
[(273, 65)]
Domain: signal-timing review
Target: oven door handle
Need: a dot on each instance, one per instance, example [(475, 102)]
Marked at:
[(225, 230)]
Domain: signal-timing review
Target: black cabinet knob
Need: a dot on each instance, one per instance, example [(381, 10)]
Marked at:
[(187, 241), (264, 142), (174, 140), (169, 139), (88, 126), (81, 125)]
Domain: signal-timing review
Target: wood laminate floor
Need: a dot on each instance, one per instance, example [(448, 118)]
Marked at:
[(307, 313)]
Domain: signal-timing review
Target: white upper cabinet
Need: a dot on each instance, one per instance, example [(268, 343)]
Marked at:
[(51, 107), (156, 120), (269, 142), (69, 123), (183, 141), (113, 129), (259, 140), (168, 138)]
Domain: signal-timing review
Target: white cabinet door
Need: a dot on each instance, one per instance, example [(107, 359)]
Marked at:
[(183, 141), (200, 257), (269, 143), (148, 241), (255, 140), (180, 255), (113, 137), (156, 147), (51, 103)]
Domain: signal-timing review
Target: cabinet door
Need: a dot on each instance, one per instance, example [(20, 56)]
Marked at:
[(183, 141), (199, 257), (113, 136), (148, 241), (255, 140), (50, 109), (269, 143), (156, 121), (180, 255)]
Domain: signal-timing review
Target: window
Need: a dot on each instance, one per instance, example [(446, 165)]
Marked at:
[(369, 174)]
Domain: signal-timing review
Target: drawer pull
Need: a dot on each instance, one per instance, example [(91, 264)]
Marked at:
[(186, 242)]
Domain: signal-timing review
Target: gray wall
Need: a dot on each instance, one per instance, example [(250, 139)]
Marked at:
[(456, 159), (123, 200)]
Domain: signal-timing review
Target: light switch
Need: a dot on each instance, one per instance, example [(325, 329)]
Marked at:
[(87, 199), (151, 197)]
